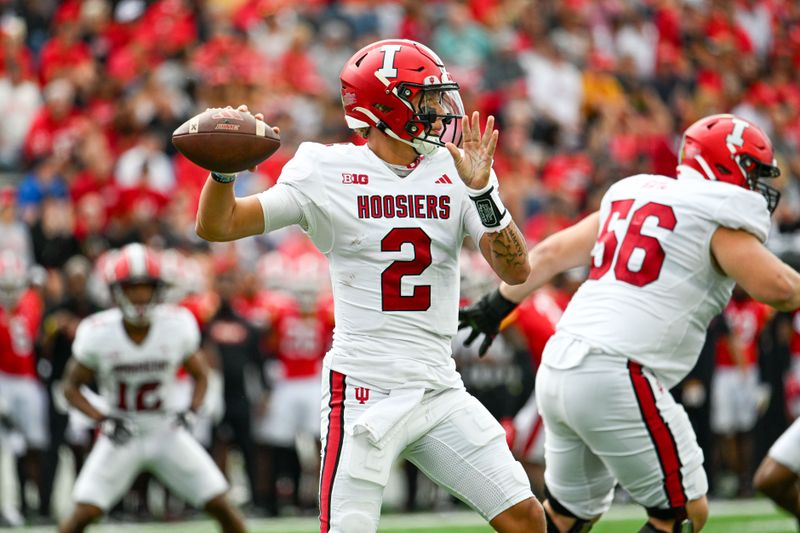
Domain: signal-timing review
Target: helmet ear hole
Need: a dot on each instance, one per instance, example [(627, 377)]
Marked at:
[(722, 169)]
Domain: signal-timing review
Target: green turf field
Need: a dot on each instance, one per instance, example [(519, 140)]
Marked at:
[(746, 516)]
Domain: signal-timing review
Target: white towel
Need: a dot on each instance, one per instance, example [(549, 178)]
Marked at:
[(385, 418)]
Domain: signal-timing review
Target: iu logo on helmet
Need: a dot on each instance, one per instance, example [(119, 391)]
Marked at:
[(388, 69), (362, 394)]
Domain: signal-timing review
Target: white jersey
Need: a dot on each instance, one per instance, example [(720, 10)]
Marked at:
[(137, 380), (652, 287), (393, 245)]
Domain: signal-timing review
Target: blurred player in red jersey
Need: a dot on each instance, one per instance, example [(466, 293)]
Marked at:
[(133, 351), (23, 402), (391, 216), (735, 389), (300, 335), (664, 256)]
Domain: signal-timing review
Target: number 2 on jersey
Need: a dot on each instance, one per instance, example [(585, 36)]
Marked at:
[(392, 276), (654, 255)]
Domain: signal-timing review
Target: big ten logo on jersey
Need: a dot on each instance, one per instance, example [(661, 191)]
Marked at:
[(357, 179)]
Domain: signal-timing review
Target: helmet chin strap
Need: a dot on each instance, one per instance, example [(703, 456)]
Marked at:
[(422, 147)]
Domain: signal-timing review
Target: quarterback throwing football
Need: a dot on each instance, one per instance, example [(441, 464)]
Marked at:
[(133, 351), (391, 217), (664, 255)]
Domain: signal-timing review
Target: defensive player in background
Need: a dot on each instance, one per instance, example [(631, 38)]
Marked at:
[(736, 393), (300, 335), (391, 217), (664, 255), (23, 402), (133, 351)]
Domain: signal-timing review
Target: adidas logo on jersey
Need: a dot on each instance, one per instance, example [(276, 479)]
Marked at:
[(444, 179), (358, 179)]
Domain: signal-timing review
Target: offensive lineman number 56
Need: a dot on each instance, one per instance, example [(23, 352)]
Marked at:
[(654, 254)]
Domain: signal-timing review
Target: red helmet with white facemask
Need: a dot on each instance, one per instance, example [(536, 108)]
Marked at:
[(134, 264), (730, 149), (402, 88)]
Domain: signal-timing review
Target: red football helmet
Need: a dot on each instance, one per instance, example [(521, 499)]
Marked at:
[(402, 88), (13, 279), (134, 264), (730, 149)]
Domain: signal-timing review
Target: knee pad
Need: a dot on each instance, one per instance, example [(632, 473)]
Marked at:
[(580, 526), (678, 514), (355, 522), (683, 526)]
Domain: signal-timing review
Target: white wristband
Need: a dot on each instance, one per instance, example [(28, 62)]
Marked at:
[(478, 192)]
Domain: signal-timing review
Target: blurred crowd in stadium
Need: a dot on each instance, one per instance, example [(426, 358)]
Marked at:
[(585, 93)]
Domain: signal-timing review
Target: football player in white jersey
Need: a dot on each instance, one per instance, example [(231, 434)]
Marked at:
[(133, 351), (391, 217), (664, 256)]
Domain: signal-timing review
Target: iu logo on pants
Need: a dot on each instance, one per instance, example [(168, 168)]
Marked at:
[(362, 394)]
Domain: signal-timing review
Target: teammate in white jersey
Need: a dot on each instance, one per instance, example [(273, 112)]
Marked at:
[(664, 256), (133, 352), (391, 217)]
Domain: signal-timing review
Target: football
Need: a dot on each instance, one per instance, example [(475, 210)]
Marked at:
[(225, 140)]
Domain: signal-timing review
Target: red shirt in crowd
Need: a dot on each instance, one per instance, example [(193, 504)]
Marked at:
[(47, 132), (18, 331), (60, 56)]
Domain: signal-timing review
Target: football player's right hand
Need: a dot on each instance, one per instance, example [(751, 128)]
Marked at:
[(485, 316), (6, 422), (117, 430), (187, 419)]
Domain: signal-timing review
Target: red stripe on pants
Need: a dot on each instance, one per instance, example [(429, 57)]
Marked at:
[(333, 449), (666, 447), (537, 427)]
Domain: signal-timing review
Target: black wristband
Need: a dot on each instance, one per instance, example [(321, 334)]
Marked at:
[(222, 178), (489, 212)]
